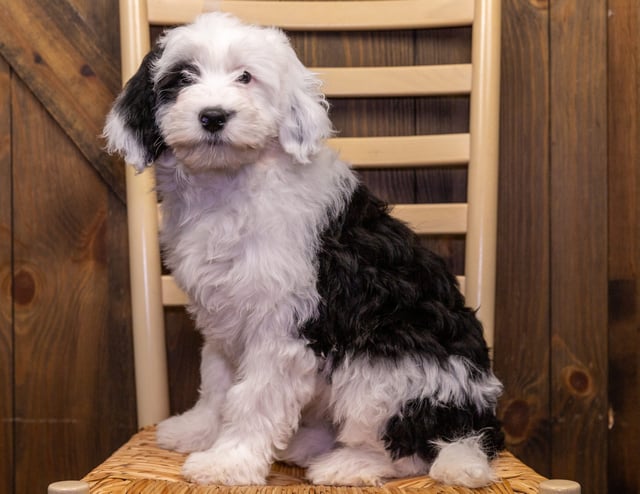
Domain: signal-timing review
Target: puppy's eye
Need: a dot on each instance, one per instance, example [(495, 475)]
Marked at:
[(179, 76), (244, 78), (186, 77)]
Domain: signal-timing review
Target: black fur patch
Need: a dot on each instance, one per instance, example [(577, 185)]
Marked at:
[(383, 295), (137, 106), (178, 77), (420, 422)]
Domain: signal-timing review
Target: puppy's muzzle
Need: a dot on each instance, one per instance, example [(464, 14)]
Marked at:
[(214, 119)]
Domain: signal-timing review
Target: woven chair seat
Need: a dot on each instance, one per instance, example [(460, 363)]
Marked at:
[(140, 466)]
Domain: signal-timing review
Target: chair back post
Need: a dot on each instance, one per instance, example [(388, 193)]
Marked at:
[(152, 393), (480, 262)]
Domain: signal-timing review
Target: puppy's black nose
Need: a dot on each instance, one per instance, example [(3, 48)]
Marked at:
[(213, 119)]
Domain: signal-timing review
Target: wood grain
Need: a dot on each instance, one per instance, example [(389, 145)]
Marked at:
[(521, 357), (99, 18), (578, 180), (6, 274), (624, 244), (53, 51), (72, 375)]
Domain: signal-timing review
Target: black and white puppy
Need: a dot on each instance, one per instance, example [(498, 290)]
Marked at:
[(332, 339)]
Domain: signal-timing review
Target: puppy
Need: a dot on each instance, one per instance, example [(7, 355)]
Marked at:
[(332, 339)]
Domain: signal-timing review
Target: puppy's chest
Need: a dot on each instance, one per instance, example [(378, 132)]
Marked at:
[(230, 249)]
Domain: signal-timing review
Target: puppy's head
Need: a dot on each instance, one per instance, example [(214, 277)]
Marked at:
[(217, 93)]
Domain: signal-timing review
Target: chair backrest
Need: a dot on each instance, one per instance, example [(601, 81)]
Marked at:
[(477, 149)]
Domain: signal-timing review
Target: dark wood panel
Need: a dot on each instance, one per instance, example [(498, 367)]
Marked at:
[(101, 24), (113, 346), (73, 379), (6, 273), (184, 343), (624, 245), (578, 121), (100, 18), (522, 355), (57, 55)]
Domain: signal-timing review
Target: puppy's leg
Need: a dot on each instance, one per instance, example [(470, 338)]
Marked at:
[(316, 434), (363, 398), (276, 380), (362, 463), (309, 442), (198, 428)]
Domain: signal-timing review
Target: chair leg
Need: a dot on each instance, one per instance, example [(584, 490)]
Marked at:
[(559, 487), (68, 487)]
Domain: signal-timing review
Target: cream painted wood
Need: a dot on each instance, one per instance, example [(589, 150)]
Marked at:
[(173, 296), (421, 80), (403, 151), (558, 486), (152, 388), (482, 186), (462, 282), (324, 15), (433, 219), (68, 487), (424, 219)]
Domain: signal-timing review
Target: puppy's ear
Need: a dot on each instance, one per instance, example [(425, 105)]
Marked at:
[(131, 128), (306, 123)]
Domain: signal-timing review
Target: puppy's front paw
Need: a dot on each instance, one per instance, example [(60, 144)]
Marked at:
[(228, 466), (195, 430)]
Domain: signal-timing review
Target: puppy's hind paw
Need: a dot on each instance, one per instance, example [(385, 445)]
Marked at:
[(350, 466)]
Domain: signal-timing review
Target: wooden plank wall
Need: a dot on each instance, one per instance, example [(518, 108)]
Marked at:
[(64, 277), (6, 303), (578, 177), (623, 245), (568, 301), (522, 356)]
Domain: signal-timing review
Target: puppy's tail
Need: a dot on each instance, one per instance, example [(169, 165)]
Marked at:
[(463, 462)]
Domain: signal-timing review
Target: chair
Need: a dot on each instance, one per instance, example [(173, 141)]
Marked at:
[(140, 466)]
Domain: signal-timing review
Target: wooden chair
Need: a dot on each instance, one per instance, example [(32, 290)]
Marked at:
[(140, 466)]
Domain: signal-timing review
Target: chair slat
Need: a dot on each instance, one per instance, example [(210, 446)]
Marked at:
[(173, 296), (433, 219), (403, 151), (323, 15), (462, 282), (422, 218), (421, 80)]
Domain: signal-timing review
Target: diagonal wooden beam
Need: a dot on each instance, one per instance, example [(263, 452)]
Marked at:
[(55, 53)]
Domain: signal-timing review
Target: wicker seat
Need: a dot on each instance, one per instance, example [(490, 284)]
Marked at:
[(140, 466)]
